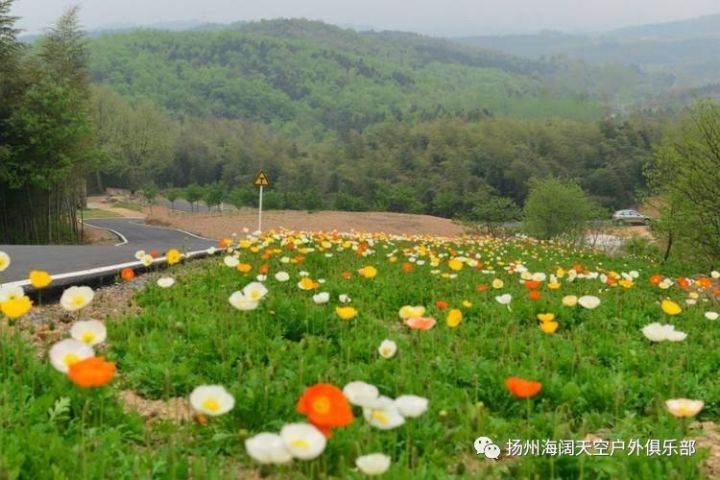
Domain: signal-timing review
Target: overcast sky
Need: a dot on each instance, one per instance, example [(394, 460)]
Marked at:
[(441, 17)]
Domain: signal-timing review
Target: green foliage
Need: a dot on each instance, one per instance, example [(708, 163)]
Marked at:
[(214, 194), (189, 335), (686, 177), (557, 208), (308, 77), (46, 134), (193, 193), (150, 192)]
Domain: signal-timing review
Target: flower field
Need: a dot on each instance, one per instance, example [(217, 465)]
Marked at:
[(347, 356)]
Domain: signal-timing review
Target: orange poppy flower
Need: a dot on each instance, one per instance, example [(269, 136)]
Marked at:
[(92, 372), (481, 287), (522, 388), (326, 407), (703, 282), (407, 267), (346, 275), (683, 283), (263, 269), (656, 279), (532, 284), (127, 274), (441, 305), (534, 295), (225, 243), (578, 268)]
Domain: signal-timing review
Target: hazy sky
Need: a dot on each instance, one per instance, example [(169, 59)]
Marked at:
[(443, 17)]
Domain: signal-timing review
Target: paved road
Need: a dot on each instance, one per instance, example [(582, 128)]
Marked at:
[(135, 235)]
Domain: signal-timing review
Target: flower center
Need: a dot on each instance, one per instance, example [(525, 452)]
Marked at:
[(300, 443), (321, 405), (78, 300), (211, 404), (380, 417), (71, 359), (88, 337)]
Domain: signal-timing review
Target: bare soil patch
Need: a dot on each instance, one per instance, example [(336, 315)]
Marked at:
[(215, 225), (176, 409)]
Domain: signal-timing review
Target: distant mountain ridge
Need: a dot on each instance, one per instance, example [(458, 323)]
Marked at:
[(686, 49)]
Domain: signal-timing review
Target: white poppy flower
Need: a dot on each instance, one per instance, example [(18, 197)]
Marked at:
[(147, 260), (504, 299), (344, 298), (231, 261), (165, 282), (267, 448), (75, 298), (387, 348), (241, 302), (303, 441), (715, 274), (211, 400), (282, 276), (90, 332), (411, 405), (589, 301), (285, 260), (384, 414), (68, 352), (656, 332), (5, 261), (139, 254), (261, 278), (255, 291), (712, 315), (361, 394), (373, 464), (683, 407), (8, 292), (322, 297)]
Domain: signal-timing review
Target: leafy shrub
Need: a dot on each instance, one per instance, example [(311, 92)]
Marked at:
[(557, 208)]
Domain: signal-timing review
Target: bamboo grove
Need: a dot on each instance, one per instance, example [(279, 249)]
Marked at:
[(46, 134)]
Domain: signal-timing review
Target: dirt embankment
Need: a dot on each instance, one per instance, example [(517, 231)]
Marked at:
[(215, 225)]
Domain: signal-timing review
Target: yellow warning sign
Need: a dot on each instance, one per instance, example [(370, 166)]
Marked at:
[(261, 180)]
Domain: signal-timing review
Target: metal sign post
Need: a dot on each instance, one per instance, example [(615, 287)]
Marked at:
[(261, 180)]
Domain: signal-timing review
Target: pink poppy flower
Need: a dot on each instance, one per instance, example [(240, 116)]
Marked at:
[(420, 323)]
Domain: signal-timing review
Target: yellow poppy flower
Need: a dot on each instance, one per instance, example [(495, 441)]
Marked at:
[(244, 267), (16, 307), (346, 313), (455, 265), (368, 272), (670, 307), (39, 278), (454, 318), (549, 327), (173, 256), (498, 284), (546, 317)]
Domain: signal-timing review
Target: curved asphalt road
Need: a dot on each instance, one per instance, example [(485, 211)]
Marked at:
[(134, 235)]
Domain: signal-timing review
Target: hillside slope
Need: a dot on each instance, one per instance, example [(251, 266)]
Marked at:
[(303, 75)]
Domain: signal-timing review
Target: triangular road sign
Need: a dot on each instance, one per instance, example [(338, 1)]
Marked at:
[(261, 180)]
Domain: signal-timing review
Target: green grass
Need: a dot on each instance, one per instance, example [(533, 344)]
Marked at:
[(99, 213), (130, 206), (599, 373)]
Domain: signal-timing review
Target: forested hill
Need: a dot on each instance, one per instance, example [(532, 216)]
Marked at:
[(308, 77)]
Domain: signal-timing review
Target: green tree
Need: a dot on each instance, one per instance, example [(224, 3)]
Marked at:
[(686, 175), (556, 207), (193, 194)]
